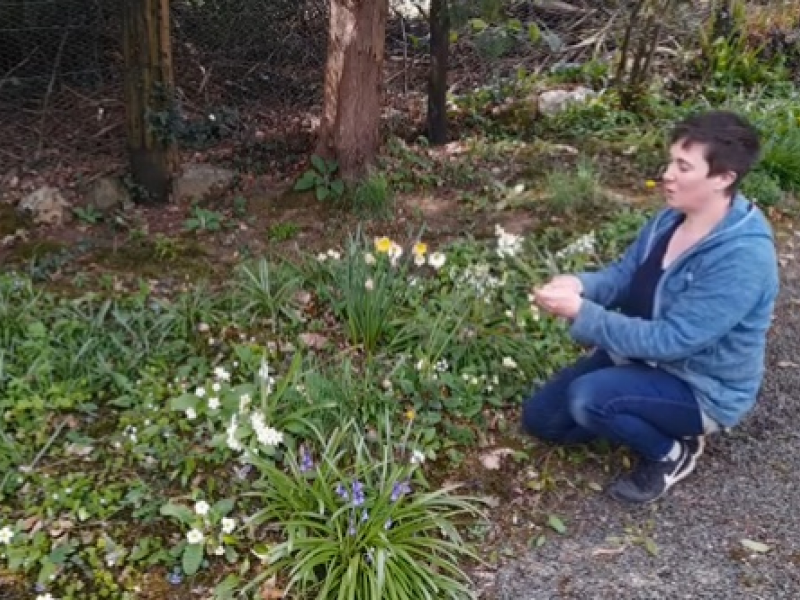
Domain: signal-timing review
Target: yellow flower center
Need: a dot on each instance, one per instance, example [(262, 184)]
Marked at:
[(383, 245)]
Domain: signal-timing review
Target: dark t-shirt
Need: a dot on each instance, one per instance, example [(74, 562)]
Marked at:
[(641, 293)]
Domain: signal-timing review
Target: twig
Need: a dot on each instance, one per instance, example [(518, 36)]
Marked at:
[(56, 64), (17, 67), (43, 451)]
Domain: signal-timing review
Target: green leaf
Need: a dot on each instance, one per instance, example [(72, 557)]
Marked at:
[(192, 557), (182, 513), (453, 37), (319, 164), (651, 546), (556, 524), (307, 181), (223, 507), (184, 402), (478, 25), (534, 33), (337, 187), (322, 193), (225, 590)]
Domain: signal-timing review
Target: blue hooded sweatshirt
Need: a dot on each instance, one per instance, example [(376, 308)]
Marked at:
[(711, 311)]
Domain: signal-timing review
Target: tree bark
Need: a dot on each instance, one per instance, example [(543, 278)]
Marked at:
[(437, 80), (149, 88), (350, 127)]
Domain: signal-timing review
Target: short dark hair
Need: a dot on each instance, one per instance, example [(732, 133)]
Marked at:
[(732, 143)]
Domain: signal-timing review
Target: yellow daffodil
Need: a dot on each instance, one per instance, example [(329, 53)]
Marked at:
[(420, 249), (650, 184), (383, 245)]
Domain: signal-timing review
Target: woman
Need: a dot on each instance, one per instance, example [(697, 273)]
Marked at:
[(678, 323)]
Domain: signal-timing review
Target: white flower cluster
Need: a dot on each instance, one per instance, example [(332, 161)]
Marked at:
[(508, 244), (479, 277), (266, 435), (583, 245)]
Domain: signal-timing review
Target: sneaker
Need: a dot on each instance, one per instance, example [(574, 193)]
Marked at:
[(694, 446), (651, 479)]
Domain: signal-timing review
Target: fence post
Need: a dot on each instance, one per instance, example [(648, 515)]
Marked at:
[(149, 89)]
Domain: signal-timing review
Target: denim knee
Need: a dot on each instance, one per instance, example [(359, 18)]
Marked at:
[(579, 400), (539, 420)]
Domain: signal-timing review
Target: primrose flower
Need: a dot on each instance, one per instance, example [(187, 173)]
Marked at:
[(201, 508), (195, 536), (437, 260), (222, 374), (6, 535), (383, 245), (228, 525), (508, 244), (200, 392)]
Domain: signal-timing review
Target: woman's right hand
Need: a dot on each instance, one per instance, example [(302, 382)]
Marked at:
[(570, 282)]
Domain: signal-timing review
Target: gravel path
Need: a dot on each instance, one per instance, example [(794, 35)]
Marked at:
[(744, 488)]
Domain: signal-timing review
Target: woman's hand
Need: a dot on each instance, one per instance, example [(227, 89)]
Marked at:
[(562, 299)]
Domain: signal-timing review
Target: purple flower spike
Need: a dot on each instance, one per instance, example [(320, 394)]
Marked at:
[(306, 462), (358, 493), (400, 489)]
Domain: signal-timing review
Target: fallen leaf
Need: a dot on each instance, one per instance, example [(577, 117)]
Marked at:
[(314, 340), (270, 590), (755, 546), (608, 551), (491, 460)]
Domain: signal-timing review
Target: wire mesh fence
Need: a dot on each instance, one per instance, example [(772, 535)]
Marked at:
[(247, 66)]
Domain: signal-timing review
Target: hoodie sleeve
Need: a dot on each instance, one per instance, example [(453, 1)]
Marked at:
[(719, 298)]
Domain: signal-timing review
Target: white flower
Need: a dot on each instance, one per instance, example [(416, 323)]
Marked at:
[(216, 387), (369, 258), (47, 596), (369, 284), (322, 257), (231, 440), (222, 374), (6, 535), (417, 457), (195, 536), (201, 508), (203, 327), (228, 525), (266, 435), (419, 259), (244, 402), (583, 245), (213, 403), (334, 254), (200, 392), (395, 252), (437, 260), (191, 414), (219, 550), (509, 363), (508, 244)]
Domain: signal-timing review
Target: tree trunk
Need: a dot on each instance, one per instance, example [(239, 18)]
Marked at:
[(148, 94), (350, 128), (437, 80)]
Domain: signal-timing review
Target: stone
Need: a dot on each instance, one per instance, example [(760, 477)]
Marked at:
[(197, 180), (107, 193), (554, 101), (46, 206)]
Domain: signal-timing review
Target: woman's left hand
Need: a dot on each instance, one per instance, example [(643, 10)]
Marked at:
[(558, 300)]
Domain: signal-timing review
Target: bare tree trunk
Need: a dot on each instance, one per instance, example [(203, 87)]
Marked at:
[(350, 128), (148, 91), (437, 81)]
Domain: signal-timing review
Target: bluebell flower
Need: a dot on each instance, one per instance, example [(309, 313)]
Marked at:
[(341, 491), (306, 462), (400, 489), (358, 493)]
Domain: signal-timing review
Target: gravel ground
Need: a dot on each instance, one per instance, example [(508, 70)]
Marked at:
[(743, 489)]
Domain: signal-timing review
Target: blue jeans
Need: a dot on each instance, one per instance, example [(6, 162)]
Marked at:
[(636, 405)]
